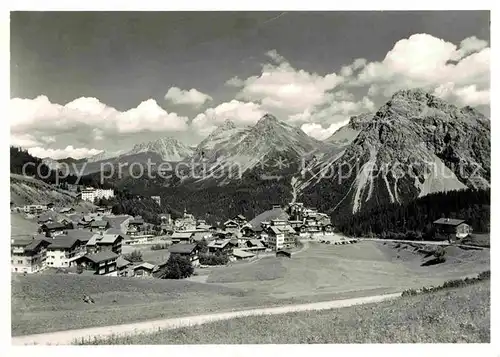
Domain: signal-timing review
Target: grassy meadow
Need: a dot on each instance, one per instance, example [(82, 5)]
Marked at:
[(460, 315), (47, 303)]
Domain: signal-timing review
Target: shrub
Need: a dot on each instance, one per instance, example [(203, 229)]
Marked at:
[(134, 257), (159, 246), (213, 259), (178, 267)]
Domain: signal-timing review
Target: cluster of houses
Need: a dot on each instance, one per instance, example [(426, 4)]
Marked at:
[(92, 242)]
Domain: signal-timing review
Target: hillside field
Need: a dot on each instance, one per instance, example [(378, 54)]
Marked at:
[(460, 315), (45, 303)]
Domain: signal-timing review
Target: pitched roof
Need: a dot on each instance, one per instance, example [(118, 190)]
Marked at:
[(63, 242), (230, 221), (101, 256), (116, 221), (80, 234), (136, 221), (66, 209), (144, 265), (121, 262), (35, 243), (180, 235), (54, 225), (218, 243), (240, 216), (449, 221), (199, 236), (21, 241), (99, 223), (255, 243), (93, 240), (182, 248), (275, 213), (109, 238), (242, 254), (275, 230)]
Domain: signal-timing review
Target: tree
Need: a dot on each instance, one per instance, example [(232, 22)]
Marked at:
[(178, 267), (134, 257), (203, 245)]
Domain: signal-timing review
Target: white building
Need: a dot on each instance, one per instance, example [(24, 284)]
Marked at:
[(63, 250), (90, 194)]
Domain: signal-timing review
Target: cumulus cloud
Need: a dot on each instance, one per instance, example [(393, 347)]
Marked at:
[(190, 97), (40, 116), (241, 113), (425, 61), (469, 45), (282, 87), (69, 151), (318, 132), (357, 64)]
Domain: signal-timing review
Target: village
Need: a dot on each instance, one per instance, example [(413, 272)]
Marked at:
[(99, 242)]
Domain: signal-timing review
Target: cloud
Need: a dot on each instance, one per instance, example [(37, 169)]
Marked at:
[(241, 113), (88, 117), (468, 95), (347, 71), (318, 132), (469, 45), (190, 97), (336, 109), (284, 88), (424, 61), (69, 151)]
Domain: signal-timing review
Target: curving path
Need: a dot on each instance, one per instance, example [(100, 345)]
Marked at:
[(69, 336)]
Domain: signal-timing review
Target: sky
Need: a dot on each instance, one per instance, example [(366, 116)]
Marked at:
[(84, 82)]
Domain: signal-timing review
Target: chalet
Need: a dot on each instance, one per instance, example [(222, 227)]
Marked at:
[(328, 228), (53, 229), (276, 238), (451, 229), (182, 237), (67, 210), (122, 266), (45, 218), (105, 242), (240, 220), (29, 255), (247, 231), (63, 250), (221, 246), (143, 270), (99, 226), (231, 226), (80, 234), (135, 226), (253, 245), (101, 263), (199, 236), (187, 250), (240, 254), (118, 222)]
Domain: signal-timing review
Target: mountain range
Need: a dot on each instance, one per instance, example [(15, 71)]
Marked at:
[(415, 144)]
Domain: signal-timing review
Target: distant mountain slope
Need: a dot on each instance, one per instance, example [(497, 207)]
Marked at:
[(414, 145), (271, 147), (169, 149), (348, 133), (26, 190)]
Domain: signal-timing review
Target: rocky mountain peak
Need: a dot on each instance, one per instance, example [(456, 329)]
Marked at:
[(227, 125)]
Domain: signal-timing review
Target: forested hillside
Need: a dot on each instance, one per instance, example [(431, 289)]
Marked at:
[(414, 219)]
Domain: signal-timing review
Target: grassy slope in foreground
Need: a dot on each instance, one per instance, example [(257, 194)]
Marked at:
[(449, 316)]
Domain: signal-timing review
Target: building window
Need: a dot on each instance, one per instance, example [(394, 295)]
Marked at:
[(19, 262)]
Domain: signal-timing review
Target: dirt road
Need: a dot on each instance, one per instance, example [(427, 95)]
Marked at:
[(69, 336)]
